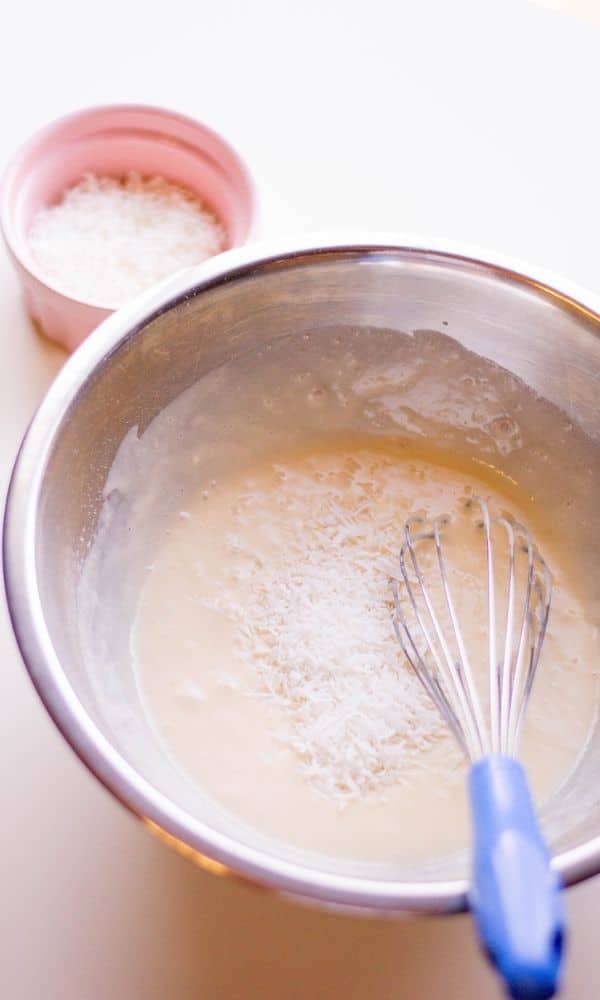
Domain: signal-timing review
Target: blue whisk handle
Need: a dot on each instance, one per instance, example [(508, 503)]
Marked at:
[(515, 895)]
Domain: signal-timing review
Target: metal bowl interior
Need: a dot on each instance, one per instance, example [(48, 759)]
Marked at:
[(147, 355)]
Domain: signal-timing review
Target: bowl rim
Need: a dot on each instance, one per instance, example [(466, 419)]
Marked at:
[(210, 847), (8, 192)]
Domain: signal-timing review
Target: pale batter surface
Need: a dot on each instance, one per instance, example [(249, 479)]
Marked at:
[(235, 649)]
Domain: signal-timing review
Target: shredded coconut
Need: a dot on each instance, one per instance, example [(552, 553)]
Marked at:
[(316, 629), (109, 239)]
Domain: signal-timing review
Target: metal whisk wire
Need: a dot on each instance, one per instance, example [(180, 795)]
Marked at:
[(441, 660)]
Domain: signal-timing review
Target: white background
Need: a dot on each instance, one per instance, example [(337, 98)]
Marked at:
[(475, 121)]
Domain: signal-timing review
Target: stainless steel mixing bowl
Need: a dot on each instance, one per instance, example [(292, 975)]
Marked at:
[(142, 358)]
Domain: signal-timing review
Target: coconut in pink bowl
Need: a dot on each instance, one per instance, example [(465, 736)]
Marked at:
[(145, 190)]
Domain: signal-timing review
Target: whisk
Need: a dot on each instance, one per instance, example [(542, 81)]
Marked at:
[(515, 894)]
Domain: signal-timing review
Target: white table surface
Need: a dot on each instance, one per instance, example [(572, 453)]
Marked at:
[(476, 121)]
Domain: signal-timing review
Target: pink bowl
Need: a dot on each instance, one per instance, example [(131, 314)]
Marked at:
[(113, 140)]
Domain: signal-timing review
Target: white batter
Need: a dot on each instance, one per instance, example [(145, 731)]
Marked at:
[(228, 631)]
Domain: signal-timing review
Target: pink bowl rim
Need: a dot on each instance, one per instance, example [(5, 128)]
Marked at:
[(17, 246)]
